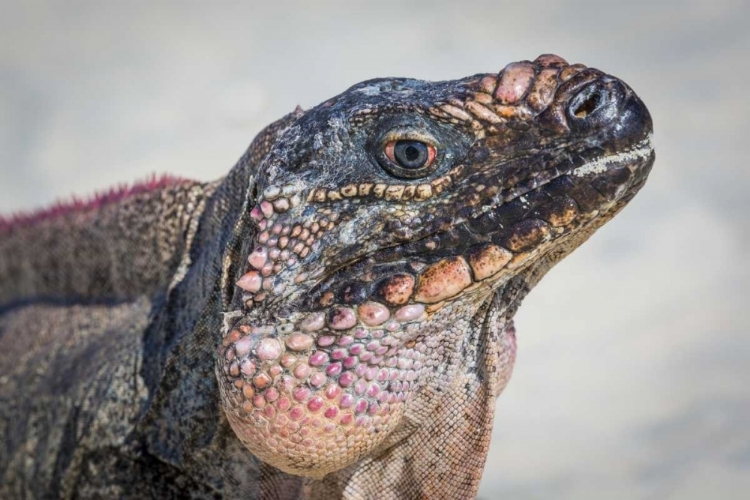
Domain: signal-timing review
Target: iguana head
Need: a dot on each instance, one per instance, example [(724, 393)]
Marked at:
[(385, 219)]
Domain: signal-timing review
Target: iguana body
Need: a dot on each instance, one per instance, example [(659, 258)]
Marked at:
[(331, 319)]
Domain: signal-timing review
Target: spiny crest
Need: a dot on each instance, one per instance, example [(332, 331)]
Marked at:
[(96, 201)]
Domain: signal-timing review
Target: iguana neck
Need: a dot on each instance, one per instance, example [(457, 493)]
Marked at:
[(119, 246)]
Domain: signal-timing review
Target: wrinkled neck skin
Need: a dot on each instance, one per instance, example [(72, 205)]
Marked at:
[(450, 364), (346, 392), (443, 370), (367, 319), (424, 397)]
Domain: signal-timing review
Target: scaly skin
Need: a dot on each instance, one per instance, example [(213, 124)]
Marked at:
[(325, 321)]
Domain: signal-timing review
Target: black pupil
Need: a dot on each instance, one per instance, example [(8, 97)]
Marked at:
[(410, 154)]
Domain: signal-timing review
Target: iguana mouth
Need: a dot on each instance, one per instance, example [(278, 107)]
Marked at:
[(563, 215)]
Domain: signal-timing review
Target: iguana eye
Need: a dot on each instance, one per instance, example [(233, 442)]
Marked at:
[(409, 158), (409, 154)]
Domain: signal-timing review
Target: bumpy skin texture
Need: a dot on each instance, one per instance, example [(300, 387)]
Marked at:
[(323, 322)]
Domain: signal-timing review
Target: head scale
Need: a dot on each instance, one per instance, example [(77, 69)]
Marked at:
[(389, 213)]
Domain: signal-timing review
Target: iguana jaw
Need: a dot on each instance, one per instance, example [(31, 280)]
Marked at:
[(355, 302)]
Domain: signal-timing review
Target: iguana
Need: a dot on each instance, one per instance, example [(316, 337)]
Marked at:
[(332, 319)]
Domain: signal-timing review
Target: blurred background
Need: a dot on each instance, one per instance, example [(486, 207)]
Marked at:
[(633, 372)]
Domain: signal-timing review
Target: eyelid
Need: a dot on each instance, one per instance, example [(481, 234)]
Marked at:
[(409, 135)]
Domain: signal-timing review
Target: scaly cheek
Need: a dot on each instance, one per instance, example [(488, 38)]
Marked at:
[(314, 393), (281, 244)]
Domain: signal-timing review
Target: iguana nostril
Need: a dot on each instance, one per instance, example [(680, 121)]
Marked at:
[(588, 105), (591, 102), (596, 105)]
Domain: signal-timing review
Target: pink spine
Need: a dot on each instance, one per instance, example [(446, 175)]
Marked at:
[(94, 202)]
